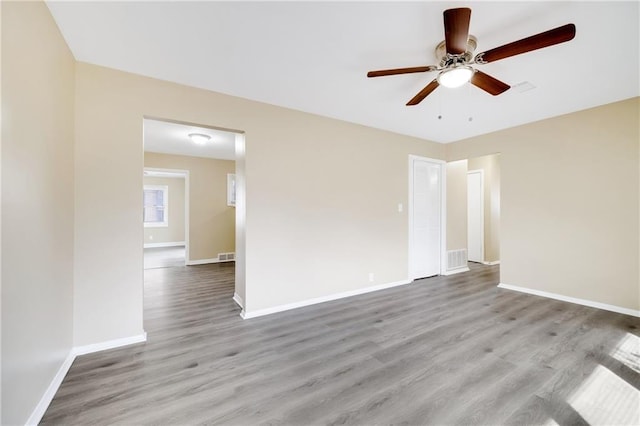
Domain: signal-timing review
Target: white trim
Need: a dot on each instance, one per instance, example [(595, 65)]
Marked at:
[(495, 262), (187, 206), (240, 216), (47, 397), (168, 175), (443, 213), (456, 271), (481, 172), (443, 218), (231, 189), (109, 344), (314, 301), (239, 301), (156, 224), (169, 244), (584, 302), (206, 261)]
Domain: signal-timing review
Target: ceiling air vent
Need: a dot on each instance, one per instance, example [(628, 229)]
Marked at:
[(523, 86)]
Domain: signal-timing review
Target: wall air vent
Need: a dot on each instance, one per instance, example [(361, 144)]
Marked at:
[(456, 259), (226, 257)]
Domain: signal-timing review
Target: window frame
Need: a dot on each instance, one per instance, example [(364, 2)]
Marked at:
[(165, 199)]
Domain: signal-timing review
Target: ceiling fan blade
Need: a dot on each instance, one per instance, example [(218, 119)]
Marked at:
[(424, 93), (535, 42), (489, 84), (382, 73), (456, 29)]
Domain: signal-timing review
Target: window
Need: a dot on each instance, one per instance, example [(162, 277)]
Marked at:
[(231, 190), (156, 206)]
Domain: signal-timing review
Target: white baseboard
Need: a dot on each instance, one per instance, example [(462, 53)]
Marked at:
[(584, 302), (109, 344), (495, 262), (170, 244), (314, 301), (238, 300), (205, 261), (48, 395), (455, 271), (201, 261)]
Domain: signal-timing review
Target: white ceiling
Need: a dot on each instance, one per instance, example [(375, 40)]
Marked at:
[(314, 56), (173, 138)]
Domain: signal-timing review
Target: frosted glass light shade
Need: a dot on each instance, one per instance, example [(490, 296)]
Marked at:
[(199, 138), (455, 77)]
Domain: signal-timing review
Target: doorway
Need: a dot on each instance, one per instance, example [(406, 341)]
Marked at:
[(205, 159), (473, 213), (213, 162), (212, 159), (426, 216)]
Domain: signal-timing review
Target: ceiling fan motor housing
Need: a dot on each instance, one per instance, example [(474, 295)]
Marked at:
[(446, 59)]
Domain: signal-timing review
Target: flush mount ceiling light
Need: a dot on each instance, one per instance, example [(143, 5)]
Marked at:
[(455, 77), (199, 138)]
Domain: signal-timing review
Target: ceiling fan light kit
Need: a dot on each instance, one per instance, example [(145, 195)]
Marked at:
[(455, 55), (455, 76)]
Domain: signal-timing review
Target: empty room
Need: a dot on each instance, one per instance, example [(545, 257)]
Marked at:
[(426, 213)]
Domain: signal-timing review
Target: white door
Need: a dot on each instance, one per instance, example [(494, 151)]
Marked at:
[(475, 216), (426, 218)]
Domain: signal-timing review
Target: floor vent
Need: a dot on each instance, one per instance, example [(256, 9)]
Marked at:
[(456, 259), (226, 257)]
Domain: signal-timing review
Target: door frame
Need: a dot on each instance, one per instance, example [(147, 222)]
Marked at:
[(186, 204), (443, 213), (481, 173)]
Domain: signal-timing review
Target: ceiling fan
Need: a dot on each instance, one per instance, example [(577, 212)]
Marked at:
[(456, 51)]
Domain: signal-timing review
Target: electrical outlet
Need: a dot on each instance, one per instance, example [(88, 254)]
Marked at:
[(400, 207), (151, 237), (371, 277)]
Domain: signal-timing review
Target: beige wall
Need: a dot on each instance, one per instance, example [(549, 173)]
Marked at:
[(37, 205), (322, 197), (1, 136), (174, 232), (569, 202), (457, 205), (211, 221), (490, 166)]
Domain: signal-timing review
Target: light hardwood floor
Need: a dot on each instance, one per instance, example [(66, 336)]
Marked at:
[(163, 257), (443, 350)]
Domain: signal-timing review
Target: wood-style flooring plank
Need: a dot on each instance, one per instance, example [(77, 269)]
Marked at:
[(442, 350)]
